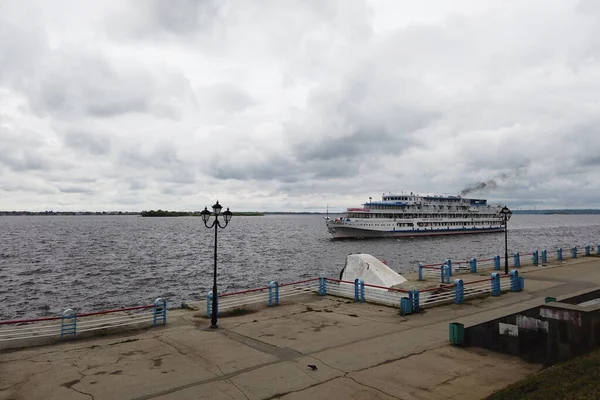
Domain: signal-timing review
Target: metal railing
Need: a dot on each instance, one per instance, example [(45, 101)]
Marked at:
[(408, 301), (445, 270), (71, 324)]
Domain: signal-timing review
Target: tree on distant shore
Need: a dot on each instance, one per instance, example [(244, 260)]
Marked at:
[(162, 213)]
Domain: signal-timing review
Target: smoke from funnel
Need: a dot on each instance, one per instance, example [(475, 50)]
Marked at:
[(491, 184), (496, 181)]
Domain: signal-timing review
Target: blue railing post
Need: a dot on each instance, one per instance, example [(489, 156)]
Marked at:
[(420, 271), (449, 264), (160, 311), (414, 296), (406, 305), (459, 291), (497, 263), (587, 249), (574, 252), (322, 286), (544, 257), (68, 323), (273, 293), (473, 263), (559, 255), (535, 258), (209, 297), (445, 270), (517, 257), (495, 282), (359, 290), (515, 281)]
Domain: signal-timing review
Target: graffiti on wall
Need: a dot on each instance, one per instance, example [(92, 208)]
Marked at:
[(508, 329), (531, 324), (573, 317)]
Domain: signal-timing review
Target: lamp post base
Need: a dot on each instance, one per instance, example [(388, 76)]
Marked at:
[(214, 326)]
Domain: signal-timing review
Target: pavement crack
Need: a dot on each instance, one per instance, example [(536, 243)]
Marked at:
[(172, 345), (372, 387), (84, 393), (238, 388), (278, 395), (190, 353), (25, 380), (70, 385), (219, 368), (433, 346), (205, 381)]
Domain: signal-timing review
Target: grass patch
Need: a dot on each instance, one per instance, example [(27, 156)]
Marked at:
[(573, 379)]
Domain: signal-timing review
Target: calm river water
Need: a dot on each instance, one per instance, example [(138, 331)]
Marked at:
[(49, 263)]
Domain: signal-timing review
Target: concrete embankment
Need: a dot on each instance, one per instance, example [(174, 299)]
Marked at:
[(358, 351)]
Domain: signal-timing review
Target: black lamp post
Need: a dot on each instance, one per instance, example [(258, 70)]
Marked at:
[(506, 213), (217, 224)]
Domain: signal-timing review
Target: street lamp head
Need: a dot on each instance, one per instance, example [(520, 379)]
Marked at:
[(227, 214), (217, 208), (506, 212), (205, 215)]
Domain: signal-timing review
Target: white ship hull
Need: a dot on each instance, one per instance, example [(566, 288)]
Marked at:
[(343, 232), (412, 215)]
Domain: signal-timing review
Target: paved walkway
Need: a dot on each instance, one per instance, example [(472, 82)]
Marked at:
[(360, 351)]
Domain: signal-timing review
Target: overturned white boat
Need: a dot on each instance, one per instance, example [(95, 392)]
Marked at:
[(371, 270), (383, 285), (380, 280)]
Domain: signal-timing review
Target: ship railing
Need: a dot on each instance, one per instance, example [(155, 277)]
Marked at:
[(71, 324)]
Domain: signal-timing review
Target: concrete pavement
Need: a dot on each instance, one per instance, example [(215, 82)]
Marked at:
[(361, 351)]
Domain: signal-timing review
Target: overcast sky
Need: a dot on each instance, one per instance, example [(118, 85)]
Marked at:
[(293, 105)]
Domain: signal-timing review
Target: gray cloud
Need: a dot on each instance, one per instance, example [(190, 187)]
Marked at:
[(160, 156), (225, 97), (80, 84), (273, 167), (156, 19), (74, 189), (296, 103), (25, 160), (137, 185), (94, 143), (71, 80)]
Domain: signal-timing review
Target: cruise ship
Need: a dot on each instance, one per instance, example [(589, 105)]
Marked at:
[(411, 215)]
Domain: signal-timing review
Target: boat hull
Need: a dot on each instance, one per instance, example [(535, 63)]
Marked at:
[(346, 232)]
